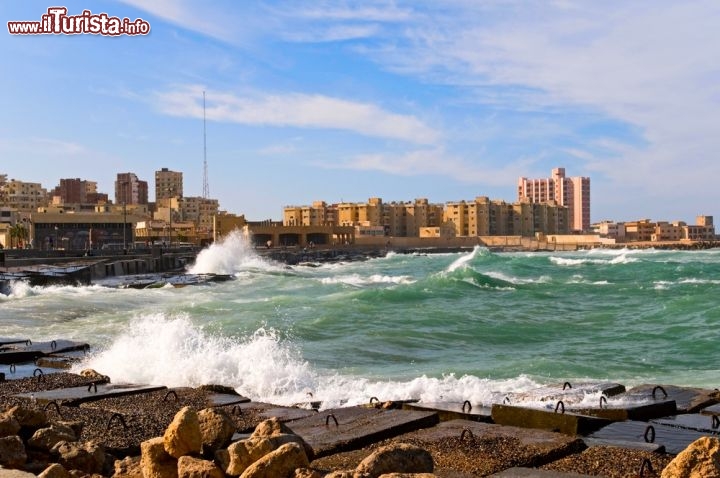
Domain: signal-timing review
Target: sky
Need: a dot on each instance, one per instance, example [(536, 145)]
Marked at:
[(345, 100)]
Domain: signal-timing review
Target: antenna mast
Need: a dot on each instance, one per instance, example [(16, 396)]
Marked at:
[(206, 186)]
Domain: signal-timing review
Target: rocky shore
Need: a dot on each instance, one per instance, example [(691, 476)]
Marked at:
[(210, 431)]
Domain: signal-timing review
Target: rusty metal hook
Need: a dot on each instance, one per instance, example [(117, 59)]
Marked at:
[(171, 392), (715, 421), (650, 430), (55, 404), (327, 420), (466, 431), (53, 345), (93, 386), (561, 406), (119, 418), (566, 385), (506, 400), (469, 406), (659, 387), (646, 465), (603, 399), (374, 398), (12, 368)]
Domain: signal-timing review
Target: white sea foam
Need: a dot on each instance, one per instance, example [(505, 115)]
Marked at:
[(465, 259), (357, 280), (230, 256), (573, 261), (21, 290)]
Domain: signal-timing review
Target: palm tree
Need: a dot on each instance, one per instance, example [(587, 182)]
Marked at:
[(19, 233)]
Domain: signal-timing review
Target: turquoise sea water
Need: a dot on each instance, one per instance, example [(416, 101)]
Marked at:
[(432, 327)]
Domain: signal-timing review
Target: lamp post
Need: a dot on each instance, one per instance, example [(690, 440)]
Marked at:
[(124, 189)]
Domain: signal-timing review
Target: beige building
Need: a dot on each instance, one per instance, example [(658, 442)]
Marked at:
[(572, 192), (225, 223), (313, 215), (199, 210), (168, 184), (25, 197)]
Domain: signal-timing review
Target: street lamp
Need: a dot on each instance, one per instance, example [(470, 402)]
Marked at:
[(124, 185)]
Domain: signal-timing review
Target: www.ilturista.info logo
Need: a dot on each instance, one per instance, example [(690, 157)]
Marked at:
[(58, 22)]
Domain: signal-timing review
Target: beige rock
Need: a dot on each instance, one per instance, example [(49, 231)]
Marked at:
[(408, 475), (155, 462), (341, 474), (701, 459), (47, 438), (128, 467), (189, 467), (306, 473), (8, 426), (55, 470), (270, 427), (280, 463), (15, 474), (182, 436), (12, 452), (87, 457), (244, 453), (94, 375), (283, 438), (397, 458), (216, 429), (28, 417)]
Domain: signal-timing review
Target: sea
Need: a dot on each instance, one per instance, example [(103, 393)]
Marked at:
[(443, 327)]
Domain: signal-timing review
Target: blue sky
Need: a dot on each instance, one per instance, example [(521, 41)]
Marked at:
[(345, 100)]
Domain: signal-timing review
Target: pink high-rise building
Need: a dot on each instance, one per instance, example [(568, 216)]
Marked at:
[(574, 193)]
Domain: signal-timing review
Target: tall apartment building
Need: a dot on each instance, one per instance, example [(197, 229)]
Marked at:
[(573, 192), (25, 197), (3, 190), (130, 190), (199, 210), (318, 214), (77, 191), (483, 217), (168, 184)]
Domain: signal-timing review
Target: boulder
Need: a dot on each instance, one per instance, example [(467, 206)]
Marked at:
[(28, 417), (189, 467), (244, 453), (701, 459), (9, 426), (128, 467), (270, 427), (155, 462), (12, 452), (182, 436), (55, 470), (47, 438), (216, 429), (280, 463), (397, 458), (408, 475), (94, 375), (306, 473), (278, 440), (16, 474), (342, 474), (86, 457)]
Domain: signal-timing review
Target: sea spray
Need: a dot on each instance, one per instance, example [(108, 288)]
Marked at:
[(231, 255)]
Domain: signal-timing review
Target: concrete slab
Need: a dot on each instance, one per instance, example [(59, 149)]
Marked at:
[(13, 340), (224, 399), (77, 395), (711, 410), (673, 439), (534, 473), (453, 410), (251, 413), (484, 448), (633, 445), (709, 424), (341, 429), (618, 412), (568, 392), (567, 423), (688, 400), (17, 353)]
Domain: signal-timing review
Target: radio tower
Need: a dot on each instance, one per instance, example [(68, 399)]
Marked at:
[(206, 186)]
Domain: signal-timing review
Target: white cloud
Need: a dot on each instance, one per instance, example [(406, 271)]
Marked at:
[(437, 163), (296, 110)]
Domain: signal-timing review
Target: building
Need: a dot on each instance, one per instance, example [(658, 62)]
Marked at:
[(77, 191), (573, 192), (199, 210), (168, 184), (25, 197), (130, 190)]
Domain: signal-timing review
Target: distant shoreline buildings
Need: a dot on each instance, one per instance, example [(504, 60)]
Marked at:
[(75, 216)]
